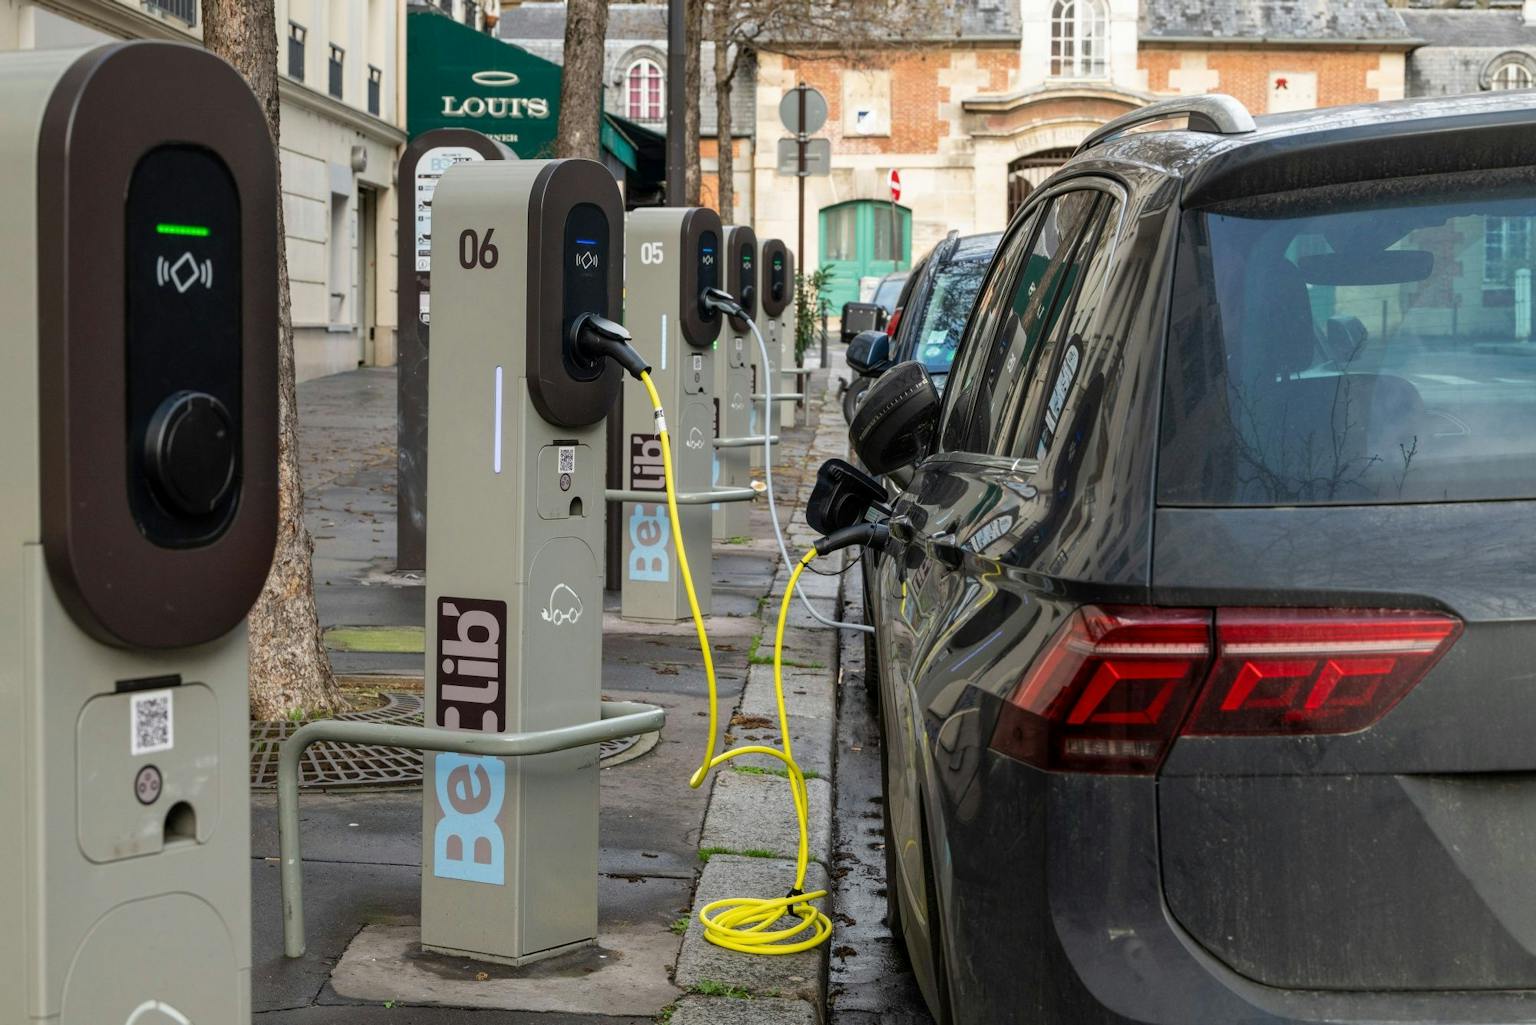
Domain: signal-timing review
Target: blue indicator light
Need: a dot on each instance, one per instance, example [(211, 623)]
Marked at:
[(586, 242)]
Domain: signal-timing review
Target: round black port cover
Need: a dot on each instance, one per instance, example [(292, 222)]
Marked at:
[(190, 451)]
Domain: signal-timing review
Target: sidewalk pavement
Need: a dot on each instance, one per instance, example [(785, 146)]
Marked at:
[(363, 850)]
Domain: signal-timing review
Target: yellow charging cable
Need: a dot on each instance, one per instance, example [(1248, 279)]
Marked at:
[(742, 923)]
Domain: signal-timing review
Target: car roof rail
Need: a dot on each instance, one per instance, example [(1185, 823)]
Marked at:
[(1216, 113)]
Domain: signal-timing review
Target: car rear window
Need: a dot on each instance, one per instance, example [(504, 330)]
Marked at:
[(943, 316), (1354, 346)]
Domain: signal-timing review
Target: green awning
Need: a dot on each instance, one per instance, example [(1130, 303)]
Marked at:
[(631, 143), (461, 78)]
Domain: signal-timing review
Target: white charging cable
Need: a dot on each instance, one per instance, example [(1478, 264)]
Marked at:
[(773, 509)]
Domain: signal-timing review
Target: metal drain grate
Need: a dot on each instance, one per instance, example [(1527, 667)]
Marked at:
[(328, 764), (342, 765)]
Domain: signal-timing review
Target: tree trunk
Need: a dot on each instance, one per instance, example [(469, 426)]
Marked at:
[(691, 82), (581, 79), (289, 668), (724, 192)]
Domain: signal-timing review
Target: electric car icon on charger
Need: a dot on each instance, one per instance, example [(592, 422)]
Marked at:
[(1206, 619)]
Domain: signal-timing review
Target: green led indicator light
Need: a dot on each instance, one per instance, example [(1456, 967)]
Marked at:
[(190, 230)]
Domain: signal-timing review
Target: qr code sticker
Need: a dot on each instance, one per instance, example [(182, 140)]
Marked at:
[(152, 723), (567, 459)]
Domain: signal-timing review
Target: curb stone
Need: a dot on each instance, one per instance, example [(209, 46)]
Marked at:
[(698, 1010), (761, 816), (753, 812), (801, 975)]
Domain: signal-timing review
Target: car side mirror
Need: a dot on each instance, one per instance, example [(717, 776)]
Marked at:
[(870, 353), (894, 425)]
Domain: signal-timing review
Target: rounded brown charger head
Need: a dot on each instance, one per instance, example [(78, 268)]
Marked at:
[(157, 335), (702, 267), (741, 272), (574, 265), (778, 277)]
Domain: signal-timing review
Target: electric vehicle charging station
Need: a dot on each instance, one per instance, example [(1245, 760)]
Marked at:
[(674, 254), (778, 294), (733, 381), (522, 249), (422, 164), (140, 498)]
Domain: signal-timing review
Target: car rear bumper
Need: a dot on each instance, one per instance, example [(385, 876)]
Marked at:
[(1054, 913)]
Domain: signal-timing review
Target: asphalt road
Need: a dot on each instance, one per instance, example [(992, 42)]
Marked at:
[(871, 980)]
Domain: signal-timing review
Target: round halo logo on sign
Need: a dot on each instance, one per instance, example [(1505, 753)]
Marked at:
[(494, 79)]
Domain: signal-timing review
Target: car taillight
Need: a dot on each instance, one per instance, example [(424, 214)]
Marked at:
[(1109, 692), (894, 320), (1114, 687), (1280, 671)]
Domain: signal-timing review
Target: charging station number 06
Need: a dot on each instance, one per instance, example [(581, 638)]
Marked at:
[(477, 252)]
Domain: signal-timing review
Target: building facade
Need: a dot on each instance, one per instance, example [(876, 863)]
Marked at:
[(342, 78), (635, 76), (1471, 49), (978, 115)]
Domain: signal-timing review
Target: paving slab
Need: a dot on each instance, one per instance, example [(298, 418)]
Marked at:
[(625, 973), (406, 1014), (799, 976), (756, 813), (702, 1010), (810, 740), (808, 693)]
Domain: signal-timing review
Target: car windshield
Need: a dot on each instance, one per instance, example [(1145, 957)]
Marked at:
[(941, 321), (1370, 345), (889, 290)]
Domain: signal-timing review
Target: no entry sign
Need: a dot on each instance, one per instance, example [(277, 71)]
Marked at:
[(894, 181)]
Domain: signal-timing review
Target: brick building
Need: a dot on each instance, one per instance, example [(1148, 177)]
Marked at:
[(977, 116), (979, 107)]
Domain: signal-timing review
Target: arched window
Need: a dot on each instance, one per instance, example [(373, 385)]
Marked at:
[(1510, 75), (1079, 39), (643, 99)]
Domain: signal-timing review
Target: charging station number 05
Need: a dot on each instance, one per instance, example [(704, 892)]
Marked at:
[(652, 253)]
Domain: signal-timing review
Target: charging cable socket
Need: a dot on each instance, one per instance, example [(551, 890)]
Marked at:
[(594, 338)]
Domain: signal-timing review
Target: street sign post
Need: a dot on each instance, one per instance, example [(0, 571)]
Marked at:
[(893, 182), (818, 157), (803, 111)]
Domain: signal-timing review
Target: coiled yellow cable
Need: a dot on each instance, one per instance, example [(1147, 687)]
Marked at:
[(742, 923)]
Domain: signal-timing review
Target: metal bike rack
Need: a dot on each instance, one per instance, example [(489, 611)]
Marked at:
[(684, 497), (746, 441), (620, 719), (780, 396)]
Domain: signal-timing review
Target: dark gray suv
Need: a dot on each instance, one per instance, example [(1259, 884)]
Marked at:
[(1207, 622)]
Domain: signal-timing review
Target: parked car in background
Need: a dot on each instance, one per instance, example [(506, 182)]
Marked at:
[(889, 288), (931, 314), (860, 352), (1206, 622)]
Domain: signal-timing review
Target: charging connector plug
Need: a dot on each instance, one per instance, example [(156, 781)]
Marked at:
[(721, 301), (594, 338), (869, 535)]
